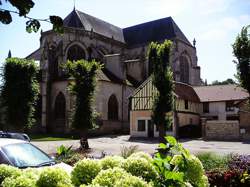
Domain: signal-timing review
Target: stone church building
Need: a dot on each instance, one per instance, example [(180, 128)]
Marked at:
[(124, 55)]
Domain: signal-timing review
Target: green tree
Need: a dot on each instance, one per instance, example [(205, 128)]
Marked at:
[(225, 82), (19, 93), (162, 77), (83, 87), (23, 8), (241, 50)]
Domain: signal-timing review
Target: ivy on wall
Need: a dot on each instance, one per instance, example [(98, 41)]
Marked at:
[(19, 92)]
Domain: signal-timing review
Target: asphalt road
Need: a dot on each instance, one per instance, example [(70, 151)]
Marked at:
[(112, 145)]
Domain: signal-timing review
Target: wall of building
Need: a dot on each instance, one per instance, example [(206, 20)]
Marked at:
[(219, 109), (188, 119), (142, 115), (104, 91), (222, 130)]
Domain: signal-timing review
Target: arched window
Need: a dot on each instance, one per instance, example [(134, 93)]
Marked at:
[(60, 106), (113, 108), (184, 70), (75, 52)]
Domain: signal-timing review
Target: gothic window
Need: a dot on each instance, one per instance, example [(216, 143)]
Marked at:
[(75, 53), (184, 70), (113, 108), (60, 106)]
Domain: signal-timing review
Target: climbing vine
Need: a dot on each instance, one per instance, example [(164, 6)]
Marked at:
[(19, 92)]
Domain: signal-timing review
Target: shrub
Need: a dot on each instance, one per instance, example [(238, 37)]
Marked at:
[(8, 171), (212, 161), (53, 177), (225, 179), (194, 170), (109, 177), (127, 151), (240, 162), (85, 171), (140, 167), (131, 181), (111, 162), (20, 181), (142, 155)]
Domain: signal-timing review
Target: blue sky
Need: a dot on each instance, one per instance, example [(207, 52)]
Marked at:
[(214, 24)]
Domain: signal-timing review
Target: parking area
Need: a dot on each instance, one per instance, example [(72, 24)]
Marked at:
[(112, 145)]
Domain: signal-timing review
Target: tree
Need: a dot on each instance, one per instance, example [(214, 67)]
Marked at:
[(162, 78), (83, 87), (241, 50), (228, 81), (23, 8), (19, 93)]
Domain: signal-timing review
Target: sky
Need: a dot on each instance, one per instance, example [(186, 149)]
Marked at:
[(213, 23)]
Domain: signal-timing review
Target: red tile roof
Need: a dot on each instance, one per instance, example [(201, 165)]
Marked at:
[(220, 93)]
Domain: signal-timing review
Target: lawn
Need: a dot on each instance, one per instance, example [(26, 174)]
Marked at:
[(49, 137)]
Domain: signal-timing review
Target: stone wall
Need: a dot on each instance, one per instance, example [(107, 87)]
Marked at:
[(222, 130)]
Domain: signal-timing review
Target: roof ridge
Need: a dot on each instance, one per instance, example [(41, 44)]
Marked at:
[(98, 19), (169, 17)]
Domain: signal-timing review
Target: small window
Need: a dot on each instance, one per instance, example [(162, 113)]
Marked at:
[(141, 125), (233, 118), (191, 121), (186, 104), (156, 128), (229, 106), (205, 107)]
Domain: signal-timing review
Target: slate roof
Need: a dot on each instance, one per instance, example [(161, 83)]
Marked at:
[(106, 75), (82, 20), (158, 30), (220, 93)]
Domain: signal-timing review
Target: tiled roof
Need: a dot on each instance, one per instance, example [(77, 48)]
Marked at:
[(36, 55), (185, 92), (220, 93), (82, 20)]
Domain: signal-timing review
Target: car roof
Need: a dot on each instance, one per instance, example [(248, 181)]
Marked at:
[(7, 141)]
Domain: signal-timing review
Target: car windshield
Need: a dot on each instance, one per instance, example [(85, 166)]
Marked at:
[(26, 155)]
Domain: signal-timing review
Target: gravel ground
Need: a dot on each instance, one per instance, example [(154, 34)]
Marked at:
[(112, 145)]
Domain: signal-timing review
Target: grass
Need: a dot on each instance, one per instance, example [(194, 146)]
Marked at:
[(214, 162), (46, 137)]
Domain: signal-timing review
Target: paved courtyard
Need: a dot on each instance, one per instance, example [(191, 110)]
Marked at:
[(112, 145)]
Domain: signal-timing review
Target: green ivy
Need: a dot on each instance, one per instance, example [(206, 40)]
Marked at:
[(83, 74), (162, 78), (241, 50), (19, 92)]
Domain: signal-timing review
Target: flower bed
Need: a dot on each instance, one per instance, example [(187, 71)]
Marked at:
[(172, 165)]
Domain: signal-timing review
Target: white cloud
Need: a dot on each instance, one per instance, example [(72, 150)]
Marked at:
[(166, 7), (212, 6)]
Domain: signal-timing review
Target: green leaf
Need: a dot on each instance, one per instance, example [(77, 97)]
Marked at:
[(32, 25), (5, 17), (171, 140), (162, 146), (176, 176), (23, 6), (57, 24)]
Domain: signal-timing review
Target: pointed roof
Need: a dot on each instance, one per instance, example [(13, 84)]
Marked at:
[(157, 30), (82, 20)]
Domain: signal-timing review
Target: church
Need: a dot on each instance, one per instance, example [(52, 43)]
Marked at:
[(122, 51)]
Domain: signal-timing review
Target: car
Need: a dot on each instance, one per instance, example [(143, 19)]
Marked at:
[(23, 154), (21, 136)]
